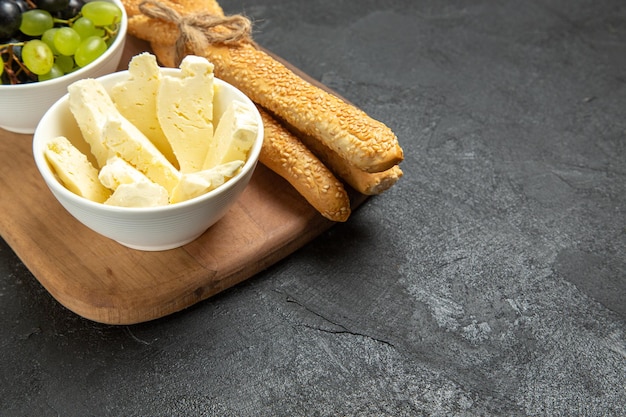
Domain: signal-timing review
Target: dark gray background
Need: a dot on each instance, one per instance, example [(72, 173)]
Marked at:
[(491, 280)]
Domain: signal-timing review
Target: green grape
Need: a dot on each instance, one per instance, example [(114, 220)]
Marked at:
[(55, 72), (66, 41), (102, 13), (37, 56), (65, 63), (35, 22), (89, 50), (1, 69), (48, 38), (84, 27)]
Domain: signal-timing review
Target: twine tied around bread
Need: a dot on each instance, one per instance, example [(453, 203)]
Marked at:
[(196, 31)]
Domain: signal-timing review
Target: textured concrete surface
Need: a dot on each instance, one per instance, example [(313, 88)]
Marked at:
[(490, 281)]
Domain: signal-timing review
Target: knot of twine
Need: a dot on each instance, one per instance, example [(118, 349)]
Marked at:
[(196, 30)]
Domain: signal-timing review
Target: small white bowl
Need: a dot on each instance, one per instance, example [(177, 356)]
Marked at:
[(23, 105), (153, 228)]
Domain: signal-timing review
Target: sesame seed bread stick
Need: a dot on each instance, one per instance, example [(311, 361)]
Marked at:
[(284, 154), (368, 183), (181, 6), (366, 143)]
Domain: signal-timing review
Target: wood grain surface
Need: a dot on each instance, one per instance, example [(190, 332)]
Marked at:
[(106, 282)]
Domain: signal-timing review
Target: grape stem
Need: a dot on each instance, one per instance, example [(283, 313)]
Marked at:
[(110, 33), (67, 22), (5, 47)]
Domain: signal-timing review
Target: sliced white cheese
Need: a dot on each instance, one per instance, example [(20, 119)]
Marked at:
[(117, 172), (136, 100), (91, 105), (185, 111), (234, 136), (131, 187), (133, 146), (197, 183), (139, 194), (74, 170)]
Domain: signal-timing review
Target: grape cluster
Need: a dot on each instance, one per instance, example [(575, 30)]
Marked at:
[(45, 39)]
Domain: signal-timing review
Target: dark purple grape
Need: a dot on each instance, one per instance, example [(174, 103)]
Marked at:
[(51, 5), (25, 78), (10, 18), (22, 5), (17, 48), (72, 9)]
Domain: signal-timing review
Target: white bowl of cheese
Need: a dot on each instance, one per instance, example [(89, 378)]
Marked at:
[(146, 223)]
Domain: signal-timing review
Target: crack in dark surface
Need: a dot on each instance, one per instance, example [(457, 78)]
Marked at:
[(349, 332), (453, 261), (343, 329)]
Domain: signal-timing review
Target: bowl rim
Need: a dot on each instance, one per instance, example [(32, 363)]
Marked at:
[(56, 186), (79, 73)]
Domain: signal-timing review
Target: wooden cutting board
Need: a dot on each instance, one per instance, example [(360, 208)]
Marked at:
[(106, 282)]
